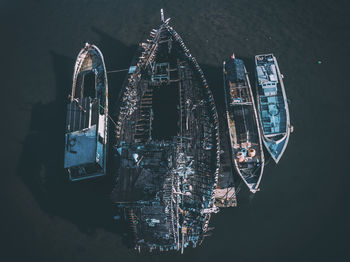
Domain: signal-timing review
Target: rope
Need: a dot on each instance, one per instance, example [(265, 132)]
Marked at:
[(109, 117), (117, 71)]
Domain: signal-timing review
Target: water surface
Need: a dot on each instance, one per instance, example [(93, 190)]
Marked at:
[(301, 212)]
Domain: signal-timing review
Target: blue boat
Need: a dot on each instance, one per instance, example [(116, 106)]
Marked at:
[(243, 126), (272, 105), (86, 123)]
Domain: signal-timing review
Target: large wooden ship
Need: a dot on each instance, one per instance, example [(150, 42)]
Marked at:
[(167, 139)]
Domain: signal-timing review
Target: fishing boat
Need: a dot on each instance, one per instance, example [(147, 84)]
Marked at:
[(85, 152), (272, 105), (167, 143), (242, 120)]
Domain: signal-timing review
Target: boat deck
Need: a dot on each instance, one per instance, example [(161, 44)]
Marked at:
[(271, 100), (272, 105), (86, 122), (242, 122)]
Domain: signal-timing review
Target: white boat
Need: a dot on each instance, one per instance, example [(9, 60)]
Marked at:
[(86, 123)]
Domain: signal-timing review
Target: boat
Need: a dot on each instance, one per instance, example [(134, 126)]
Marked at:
[(85, 152), (167, 145), (242, 121), (272, 105)]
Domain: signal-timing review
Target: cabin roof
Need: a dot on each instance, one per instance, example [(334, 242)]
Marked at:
[(80, 147)]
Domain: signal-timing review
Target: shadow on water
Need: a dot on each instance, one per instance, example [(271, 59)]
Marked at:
[(86, 204)]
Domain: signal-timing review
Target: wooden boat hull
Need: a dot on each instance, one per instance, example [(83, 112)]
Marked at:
[(86, 123), (167, 179), (243, 125)]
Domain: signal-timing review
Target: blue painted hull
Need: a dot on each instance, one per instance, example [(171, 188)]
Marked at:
[(276, 149), (272, 106)]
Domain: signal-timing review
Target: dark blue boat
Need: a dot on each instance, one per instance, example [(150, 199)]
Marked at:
[(86, 124), (272, 105)]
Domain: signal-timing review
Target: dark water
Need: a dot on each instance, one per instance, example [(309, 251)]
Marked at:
[(165, 110), (301, 213)]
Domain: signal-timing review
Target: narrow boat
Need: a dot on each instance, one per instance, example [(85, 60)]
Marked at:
[(86, 123), (272, 105), (242, 120)]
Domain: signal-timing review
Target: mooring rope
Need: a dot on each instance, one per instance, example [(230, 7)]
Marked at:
[(117, 71), (109, 117)]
